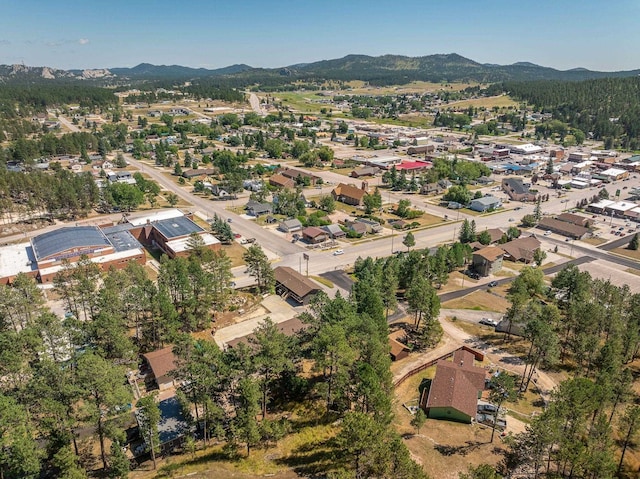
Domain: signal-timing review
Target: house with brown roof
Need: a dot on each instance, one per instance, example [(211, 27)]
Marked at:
[(521, 249), (364, 171), (397, 349), (488, 260), (300, 175), (563, 228), (454, 391), (495, 233), (314, 235), (575, 219), (162, 363), (291, 284), (280, 181), (289, 328), (349, 194)]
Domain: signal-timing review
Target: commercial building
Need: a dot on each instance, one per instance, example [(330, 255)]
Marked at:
[(291, 284)]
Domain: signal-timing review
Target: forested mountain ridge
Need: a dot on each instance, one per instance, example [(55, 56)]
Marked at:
[(380, 70)]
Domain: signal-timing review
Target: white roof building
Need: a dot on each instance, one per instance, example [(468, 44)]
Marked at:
[(621, 206), (155, 216), (613, 172)]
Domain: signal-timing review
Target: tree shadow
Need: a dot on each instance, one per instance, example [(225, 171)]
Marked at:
[(313, 459), (461, 450)]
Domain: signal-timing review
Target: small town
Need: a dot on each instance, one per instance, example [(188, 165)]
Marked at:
[(366, 267)]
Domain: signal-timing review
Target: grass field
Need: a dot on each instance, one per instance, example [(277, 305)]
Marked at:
[(479, 301), (501, 101)]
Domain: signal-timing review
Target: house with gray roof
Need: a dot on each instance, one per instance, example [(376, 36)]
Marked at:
[(517, 190), (290, 226), (485, 203)]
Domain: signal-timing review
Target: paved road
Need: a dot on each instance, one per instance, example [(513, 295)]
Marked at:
[(73, 128), (254, 101), (616, 243), (248, 229), (551, 270), (339, 278), (598, 254)]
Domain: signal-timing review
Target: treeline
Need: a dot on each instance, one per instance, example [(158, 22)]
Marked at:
[(62, 375), (592, 328), (37, 194), (40, 97), (607, 108), (249, 396), (23, 150)]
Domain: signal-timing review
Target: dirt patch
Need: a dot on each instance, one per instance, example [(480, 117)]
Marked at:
[(479, 301), (443, 448), (629, 253)]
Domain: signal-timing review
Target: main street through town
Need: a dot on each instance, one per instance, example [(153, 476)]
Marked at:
[(285, 253)]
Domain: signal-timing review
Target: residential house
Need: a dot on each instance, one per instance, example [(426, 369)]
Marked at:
[(290, 226), (397, 349), (314, 235), (431, 189), (281, 181), (358, 228), (291, 284), (162, 363), (334, 231), (496, 234), (299, 175), (372, 226), (219, 192), (289, 328), (349, 194), (485, 203), (454, 391), (257, 209), (198, 172), (521, 249), (517, 190), (364, 171), (488, 260)]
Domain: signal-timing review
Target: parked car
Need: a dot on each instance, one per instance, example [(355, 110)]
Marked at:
[(547, 233), (489, 322), (338, 252), (251, 240)]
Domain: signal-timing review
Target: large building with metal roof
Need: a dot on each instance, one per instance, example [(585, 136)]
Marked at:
[(109, 247)]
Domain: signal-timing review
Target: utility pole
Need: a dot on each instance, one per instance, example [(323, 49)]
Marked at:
[(305, 256)]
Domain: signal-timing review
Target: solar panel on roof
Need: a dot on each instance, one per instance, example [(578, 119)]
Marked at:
[(58, 241)]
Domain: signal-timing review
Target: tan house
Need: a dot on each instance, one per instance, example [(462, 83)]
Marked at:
[(521, 249), (487, 261), (349, 194)]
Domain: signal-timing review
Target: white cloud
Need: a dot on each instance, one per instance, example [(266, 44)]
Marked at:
[(83, 41)]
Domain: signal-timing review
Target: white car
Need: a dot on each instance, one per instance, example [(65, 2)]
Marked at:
[(338, 252)]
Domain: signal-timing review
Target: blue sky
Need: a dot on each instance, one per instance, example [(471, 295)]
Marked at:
[(562, 34)]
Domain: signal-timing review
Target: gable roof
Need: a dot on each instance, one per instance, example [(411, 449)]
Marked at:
[(294, 281), (313, 232), (562, 227), (280, 180), (349, 191), (490, 253), (516, 185), (161, 362), (574, 219), (457, 383), (522, 248), (495, 233), (288, 328)]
